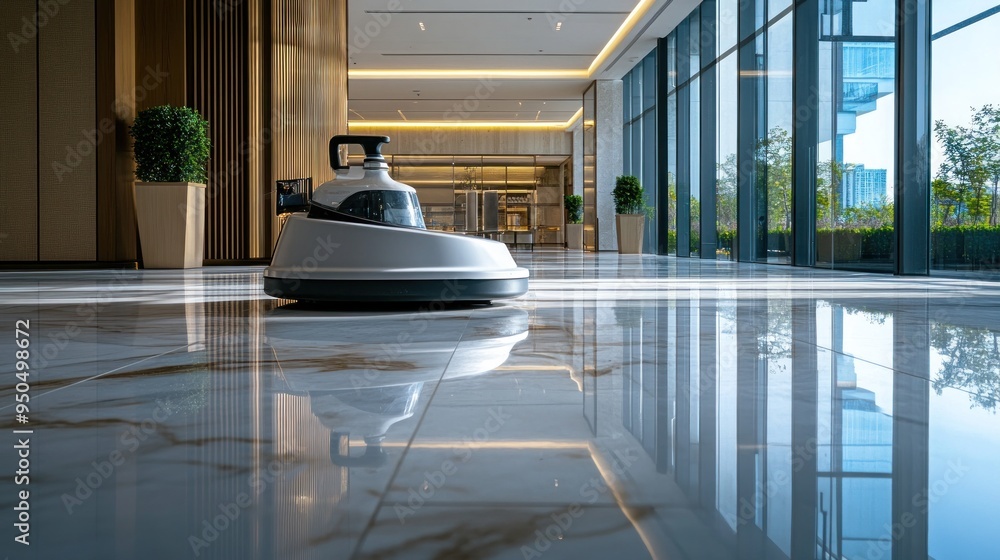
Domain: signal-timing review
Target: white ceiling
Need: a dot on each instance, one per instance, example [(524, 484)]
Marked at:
[(487, 38)]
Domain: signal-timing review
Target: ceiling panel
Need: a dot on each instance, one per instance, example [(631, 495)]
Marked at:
[(482, 90), (499, 35), (484, 41), (442, 105)]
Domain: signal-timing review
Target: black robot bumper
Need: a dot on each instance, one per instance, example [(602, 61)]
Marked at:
[(438, 290)]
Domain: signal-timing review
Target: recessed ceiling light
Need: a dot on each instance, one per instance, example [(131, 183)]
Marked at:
[(423, 27), (558, 26)]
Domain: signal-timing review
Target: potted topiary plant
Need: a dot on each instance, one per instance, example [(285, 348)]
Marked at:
[(171, 153), (574, 222), (630, 215)]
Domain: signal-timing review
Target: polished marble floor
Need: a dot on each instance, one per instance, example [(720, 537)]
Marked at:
[(626, 407)]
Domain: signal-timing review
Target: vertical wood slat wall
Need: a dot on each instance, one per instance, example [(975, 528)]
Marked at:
[(308, 88), (258, 166), (218, 88), (233, 59)]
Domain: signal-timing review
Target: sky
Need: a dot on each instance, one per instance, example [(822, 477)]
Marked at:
[(965, 71), (965, 74)]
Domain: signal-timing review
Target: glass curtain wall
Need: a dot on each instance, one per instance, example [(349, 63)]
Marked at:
[(639, 137), (763, 38), (693, 59), (965, 155), (855, 153), (727, 105), (671, 137), (830, 201)]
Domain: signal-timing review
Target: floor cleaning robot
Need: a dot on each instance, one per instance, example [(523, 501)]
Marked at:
[(363, 239)]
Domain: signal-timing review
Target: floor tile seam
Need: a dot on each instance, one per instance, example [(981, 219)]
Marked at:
[(810, 272), (546, 505), (112, 371), (355, 554), (893, 369)]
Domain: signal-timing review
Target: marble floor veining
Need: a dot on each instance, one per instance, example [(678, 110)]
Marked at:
[(626, 407)]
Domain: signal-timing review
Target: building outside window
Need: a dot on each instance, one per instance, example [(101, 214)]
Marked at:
[(850, 98)]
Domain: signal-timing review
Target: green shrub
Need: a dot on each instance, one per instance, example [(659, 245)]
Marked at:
[(946, 245), (779, 240), (574, 207), (982, 245), (976, 246), (628, 195), (726, 239), (877, 243), (672, 242), (171, 145), (838, 245)]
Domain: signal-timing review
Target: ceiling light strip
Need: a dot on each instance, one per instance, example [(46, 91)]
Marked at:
[(633, 18), (458, 124), (492, 12), (481, 74), (639, 35), (470, 124), (576, 116)]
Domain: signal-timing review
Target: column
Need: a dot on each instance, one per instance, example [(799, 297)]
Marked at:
[(609, 158), (913, 137)]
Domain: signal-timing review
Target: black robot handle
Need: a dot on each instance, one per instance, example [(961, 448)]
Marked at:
[(371, 144)]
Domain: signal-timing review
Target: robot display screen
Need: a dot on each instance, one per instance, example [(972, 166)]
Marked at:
[(399, 208)]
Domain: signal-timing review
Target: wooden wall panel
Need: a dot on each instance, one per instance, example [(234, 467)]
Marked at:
[(116, 93), (258, 94), (474, 141), (218, 87), (19, 128), (67, 108), (308, 87), (161, 46)]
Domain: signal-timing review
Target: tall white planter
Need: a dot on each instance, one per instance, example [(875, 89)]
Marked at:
[(171, 218), (574, 237)]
